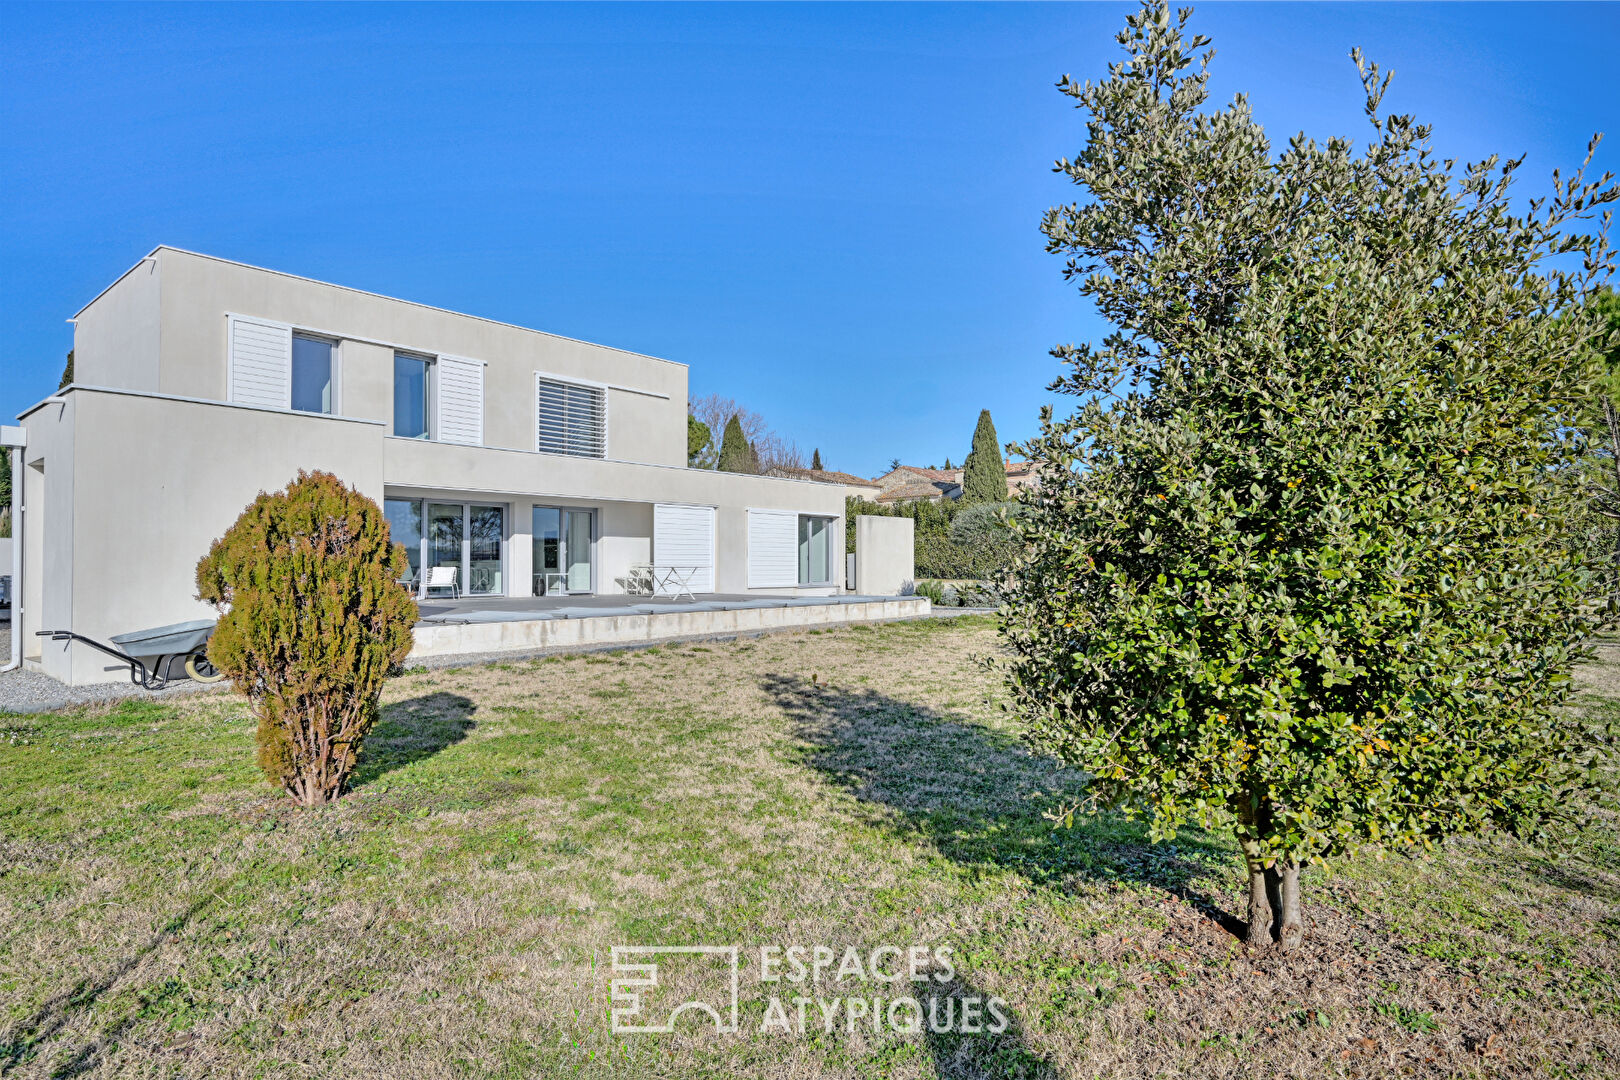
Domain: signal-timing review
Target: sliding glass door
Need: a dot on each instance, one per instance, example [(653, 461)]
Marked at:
[(405, 528), (815, 550), (577, 550), (467, 537), (486, 529), (445, 531), (562, 551), (548, 572)]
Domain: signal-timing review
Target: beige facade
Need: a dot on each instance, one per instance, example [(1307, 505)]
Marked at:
[(133, 471)]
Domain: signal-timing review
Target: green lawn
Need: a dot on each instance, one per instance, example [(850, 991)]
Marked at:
[(164, 913)]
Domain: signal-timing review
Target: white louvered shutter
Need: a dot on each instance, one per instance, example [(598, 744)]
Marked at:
[(570, 418), (260, 362), (684, 536), (460, 401), (773, 549)]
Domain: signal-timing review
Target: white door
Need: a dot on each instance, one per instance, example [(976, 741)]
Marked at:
[(683, 536)]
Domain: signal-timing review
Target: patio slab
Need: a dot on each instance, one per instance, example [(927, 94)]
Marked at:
[(539, 624)]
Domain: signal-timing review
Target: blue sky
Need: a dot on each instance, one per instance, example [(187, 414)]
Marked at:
[(830, 212)]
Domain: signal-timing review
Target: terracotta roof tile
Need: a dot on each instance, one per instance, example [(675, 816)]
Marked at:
[(825, 476)]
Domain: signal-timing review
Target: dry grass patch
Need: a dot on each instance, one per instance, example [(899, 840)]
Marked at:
[(166, 914)]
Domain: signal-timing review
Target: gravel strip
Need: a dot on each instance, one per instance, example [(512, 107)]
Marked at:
[(34, 691)]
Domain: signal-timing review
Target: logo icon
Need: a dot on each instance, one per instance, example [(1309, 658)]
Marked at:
[(635, 987)]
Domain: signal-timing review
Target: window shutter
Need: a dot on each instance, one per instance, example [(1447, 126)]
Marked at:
[(773, 549), (461, 401), (260, 362), (684, 536), (570, 418)]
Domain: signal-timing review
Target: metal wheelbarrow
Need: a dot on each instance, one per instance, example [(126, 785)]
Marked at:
[(151, 654)]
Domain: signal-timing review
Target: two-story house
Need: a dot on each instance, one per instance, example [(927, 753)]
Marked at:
[(533, 464)]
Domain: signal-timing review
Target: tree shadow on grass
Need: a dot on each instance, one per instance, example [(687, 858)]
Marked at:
[(413, 730), (959, 1027), (977, 796)]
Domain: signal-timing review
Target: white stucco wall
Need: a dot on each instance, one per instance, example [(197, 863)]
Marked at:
[(116, 338), (178, 301), (885, 554), (137, 488), (126, 490)]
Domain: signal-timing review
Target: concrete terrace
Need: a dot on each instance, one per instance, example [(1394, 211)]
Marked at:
[(525, 624)]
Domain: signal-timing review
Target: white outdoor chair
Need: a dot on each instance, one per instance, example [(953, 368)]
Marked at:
[(639, 580), (442, 577)]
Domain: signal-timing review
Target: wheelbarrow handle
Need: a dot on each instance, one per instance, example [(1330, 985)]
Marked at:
[(138, 673)]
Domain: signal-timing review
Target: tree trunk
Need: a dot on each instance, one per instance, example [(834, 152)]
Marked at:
[(1259, 906), (1282, 890)]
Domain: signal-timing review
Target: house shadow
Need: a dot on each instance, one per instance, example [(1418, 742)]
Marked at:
[(980, 798), (411, 730)]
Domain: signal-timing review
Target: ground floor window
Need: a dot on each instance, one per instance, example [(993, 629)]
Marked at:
[(815, 550), (469, 538)]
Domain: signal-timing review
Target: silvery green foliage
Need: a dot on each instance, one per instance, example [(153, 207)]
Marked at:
[(949, 598), (1301, 561)]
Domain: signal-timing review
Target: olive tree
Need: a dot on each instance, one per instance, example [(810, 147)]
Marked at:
[(1300, 562), (312, 618), (1602, 423)]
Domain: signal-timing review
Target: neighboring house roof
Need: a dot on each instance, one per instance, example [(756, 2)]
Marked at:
[(907, 483), (826, 476), (908, 474), (921, 489), (1022, 474)]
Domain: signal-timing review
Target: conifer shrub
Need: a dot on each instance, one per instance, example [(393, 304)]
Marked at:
[(312, 619)]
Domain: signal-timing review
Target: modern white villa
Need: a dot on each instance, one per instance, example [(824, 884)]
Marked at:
[(531, 465)]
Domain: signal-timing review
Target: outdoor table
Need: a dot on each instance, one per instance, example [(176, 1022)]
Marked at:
[(676, 578)]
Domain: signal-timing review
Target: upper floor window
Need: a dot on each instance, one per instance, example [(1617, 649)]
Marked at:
[(413, 379), (312, 374), (570, 418)]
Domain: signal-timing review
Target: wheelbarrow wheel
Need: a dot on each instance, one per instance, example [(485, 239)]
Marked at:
[(198, 669)]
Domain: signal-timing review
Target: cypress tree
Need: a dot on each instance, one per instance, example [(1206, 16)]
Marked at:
[(984, 479), (735, 454), (699, 442), (815, 460)]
